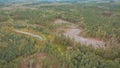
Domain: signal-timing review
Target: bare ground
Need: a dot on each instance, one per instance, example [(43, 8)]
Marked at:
[(73, 32), (30, 34)]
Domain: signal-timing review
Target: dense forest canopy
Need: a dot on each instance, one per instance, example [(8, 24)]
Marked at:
[(6, 1), (50, 35)]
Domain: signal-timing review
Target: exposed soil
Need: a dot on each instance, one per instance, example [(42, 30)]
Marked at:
[(60, 21), (33, 61), (73, 32), (30, 34)]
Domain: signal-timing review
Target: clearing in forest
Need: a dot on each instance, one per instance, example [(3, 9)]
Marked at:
[(73, 32)]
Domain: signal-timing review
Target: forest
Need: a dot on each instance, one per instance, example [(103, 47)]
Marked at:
[(31, 38)]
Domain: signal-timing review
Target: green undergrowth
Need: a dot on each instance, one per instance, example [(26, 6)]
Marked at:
[(99, 21)]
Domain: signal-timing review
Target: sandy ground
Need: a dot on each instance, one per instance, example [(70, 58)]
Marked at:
[(73, 32), (30, 34)]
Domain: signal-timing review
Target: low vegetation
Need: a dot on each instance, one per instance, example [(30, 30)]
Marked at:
[(99, 21)]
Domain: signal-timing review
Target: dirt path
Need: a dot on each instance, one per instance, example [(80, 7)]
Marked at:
[(30, 34), (73, 32)]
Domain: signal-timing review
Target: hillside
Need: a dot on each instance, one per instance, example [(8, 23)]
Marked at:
[(13, 1), (60, 35)]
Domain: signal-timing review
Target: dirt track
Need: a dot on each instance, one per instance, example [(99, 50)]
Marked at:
[(30, 34)]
